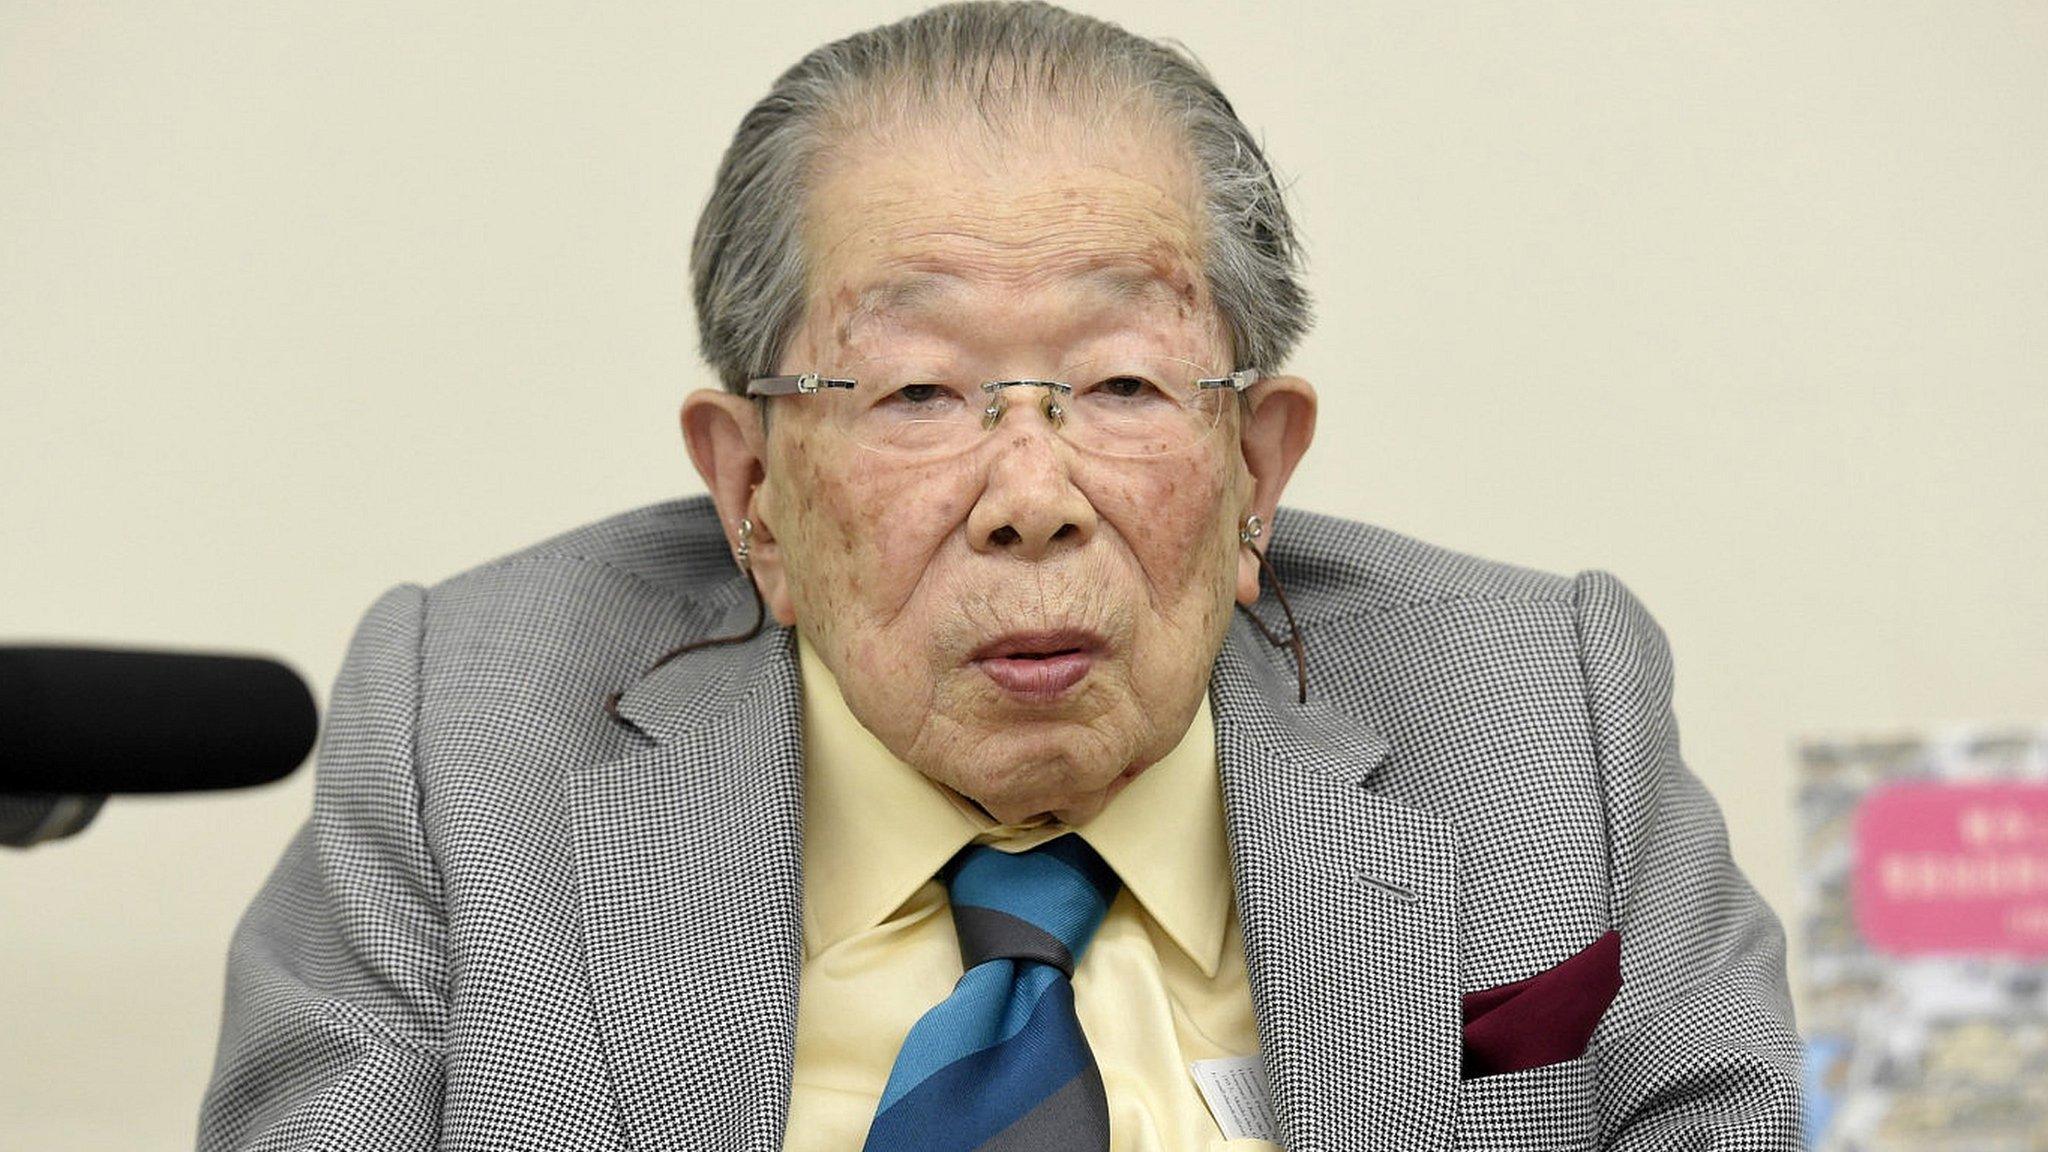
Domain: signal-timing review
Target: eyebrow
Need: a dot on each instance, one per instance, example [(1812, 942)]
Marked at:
[(1122, 282), (911, 292)]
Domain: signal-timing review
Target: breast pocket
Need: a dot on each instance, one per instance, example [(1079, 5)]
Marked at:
[(1551, 1109)]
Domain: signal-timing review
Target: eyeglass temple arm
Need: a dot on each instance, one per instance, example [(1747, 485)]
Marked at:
[(803, 384), (1237, 381)]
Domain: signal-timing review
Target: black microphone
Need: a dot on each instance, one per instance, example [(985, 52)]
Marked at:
[(78, 724)]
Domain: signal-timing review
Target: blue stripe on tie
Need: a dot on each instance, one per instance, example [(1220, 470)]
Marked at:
[(1036, 887), (970, 1100), (960, 1025), (1006, 1045)]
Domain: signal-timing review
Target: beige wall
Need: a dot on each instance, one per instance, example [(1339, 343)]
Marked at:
[(1743, 302)]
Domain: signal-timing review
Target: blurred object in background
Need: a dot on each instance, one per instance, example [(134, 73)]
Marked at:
[(26, 821), (1924, 918), (78, 724)]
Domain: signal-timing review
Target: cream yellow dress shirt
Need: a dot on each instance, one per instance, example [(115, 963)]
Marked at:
[(1162, 984)]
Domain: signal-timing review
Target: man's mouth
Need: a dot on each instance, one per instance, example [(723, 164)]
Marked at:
[(1038, 666)]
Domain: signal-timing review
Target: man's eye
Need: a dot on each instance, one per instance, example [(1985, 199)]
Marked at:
[(1123, 387), (921, 395)]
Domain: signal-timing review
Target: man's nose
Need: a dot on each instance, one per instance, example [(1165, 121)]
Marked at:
[(1030, 506)]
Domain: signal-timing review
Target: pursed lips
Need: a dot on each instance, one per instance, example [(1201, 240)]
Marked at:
[(1038, 667)]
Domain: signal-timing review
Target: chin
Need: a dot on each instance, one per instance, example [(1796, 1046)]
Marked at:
[(1025, 787)]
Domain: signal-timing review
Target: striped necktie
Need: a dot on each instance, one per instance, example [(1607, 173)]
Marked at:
[(1001, 1065)]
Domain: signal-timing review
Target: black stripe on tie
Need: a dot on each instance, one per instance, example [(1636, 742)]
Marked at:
[(987, 934)]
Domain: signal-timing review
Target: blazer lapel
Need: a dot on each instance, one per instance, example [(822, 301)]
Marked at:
[(1348, 902), (689, 873)]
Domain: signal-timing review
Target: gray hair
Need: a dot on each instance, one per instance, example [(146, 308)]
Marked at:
[(747, 262)]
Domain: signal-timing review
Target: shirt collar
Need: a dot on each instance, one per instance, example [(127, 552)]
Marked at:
[(875, 829)]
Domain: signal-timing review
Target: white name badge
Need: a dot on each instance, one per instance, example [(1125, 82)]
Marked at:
[(1235, 1090)]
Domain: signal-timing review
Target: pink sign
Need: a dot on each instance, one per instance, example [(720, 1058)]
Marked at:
[(1959, 869)]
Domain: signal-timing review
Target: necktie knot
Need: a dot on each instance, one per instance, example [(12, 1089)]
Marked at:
[(1043, 904)]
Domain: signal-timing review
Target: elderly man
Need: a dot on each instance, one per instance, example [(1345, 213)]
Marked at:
[(977, 774)]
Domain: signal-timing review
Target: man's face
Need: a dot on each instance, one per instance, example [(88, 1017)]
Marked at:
[(1027, 623)]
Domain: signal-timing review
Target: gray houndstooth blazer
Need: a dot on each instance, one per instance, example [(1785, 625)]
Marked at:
[(512, 921)]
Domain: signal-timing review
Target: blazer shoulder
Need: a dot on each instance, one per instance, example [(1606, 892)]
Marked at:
[(515, 657), (628, 585), (1333, 567), (675, 546)]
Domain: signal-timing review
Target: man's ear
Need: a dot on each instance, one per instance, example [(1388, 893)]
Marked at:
[(1277, 431), (729, 447)]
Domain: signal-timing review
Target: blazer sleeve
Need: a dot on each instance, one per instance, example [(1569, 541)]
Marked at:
[(332, 1032), (1698, 1050)]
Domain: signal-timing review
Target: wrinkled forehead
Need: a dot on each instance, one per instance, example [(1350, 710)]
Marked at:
[(1110, 292), (928, 236)]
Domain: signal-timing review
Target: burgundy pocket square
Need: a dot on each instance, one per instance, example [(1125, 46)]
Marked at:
[(1547, 1018)]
